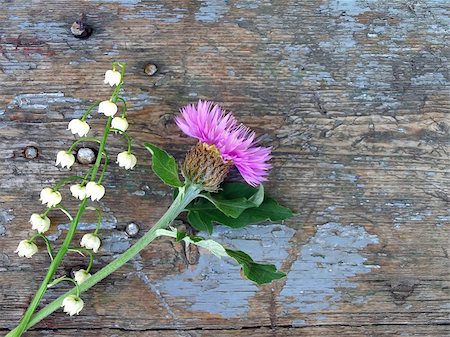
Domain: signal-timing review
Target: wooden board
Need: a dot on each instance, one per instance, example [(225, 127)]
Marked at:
[(353, 96)]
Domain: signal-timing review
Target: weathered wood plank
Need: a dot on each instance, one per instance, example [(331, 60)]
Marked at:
[(353, 96), (378, 330)]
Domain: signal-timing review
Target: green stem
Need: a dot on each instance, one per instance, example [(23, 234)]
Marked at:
[(186, 195), (83, 139), (101, 149), (51, 271), (47, 243), (65, 278), (89, 110), (99, 218), (83, 251), (124, 110), (65, 246), (105, 165), (126, 135), (65, 180)]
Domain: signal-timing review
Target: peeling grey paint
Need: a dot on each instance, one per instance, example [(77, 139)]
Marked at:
[(40, 101), (212, 10), (247, 4), (116, 242), (108, 222), (214, 285), (55, 103), (6, 216), (350, 7), (319, 277), (156, 12)]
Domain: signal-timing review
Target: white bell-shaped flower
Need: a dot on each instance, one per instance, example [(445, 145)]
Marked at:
[(94, 191), (81, 275), (50, 197), (119, 123), (72, 305), (65, 159), (108, 108), (126, 160), (90, 241), (78, 191), (112, 77), (40, 223), (26, 248), (77, 126)]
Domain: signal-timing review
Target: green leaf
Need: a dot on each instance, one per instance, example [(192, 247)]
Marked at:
[(164, 166), (214, 247), (234, 207), (202, 214), (256, 272), (199, 223)]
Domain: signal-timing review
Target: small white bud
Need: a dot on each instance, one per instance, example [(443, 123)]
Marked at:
[(26, 248), (78, 191), (72, 305), (94, 191), (65, 159), (119, 123), (108, 108), (112, 77), (50, 197), (126, 160), (90, 241), (81, 275), (40, 223), (78, 126)]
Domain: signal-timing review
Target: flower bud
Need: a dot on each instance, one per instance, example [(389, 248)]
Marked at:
[(108, 108), (204, 165), (26, 248), (119, 123), (65, 159), (81, 275), (112, 77), (126, 160), (94, 191), (72, 305), (90, 241), (78, 126), (78, 191), (50, 197), (40, 223)]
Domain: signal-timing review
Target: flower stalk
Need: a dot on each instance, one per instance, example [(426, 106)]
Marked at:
[(186, 194), (52, 198)]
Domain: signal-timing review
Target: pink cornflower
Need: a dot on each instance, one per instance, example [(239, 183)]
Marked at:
[(235, 142)]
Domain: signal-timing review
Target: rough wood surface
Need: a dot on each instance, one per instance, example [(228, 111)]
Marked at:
[(354, 97)]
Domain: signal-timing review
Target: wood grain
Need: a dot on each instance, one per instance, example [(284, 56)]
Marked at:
[(354, 98)]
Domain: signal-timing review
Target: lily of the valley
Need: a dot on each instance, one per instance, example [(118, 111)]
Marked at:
[(119, 123), (39, 222), (50, 197), (94, 191), (112, 77), (81, 275), (90, 241), (108, 108), (72, 305), (77, 126), (126, 160), (26, 248), (78, 191), (65, 159)]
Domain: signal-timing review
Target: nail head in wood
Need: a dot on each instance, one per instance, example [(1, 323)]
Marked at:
[(30, 152), (150, 69), (86, 155)]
